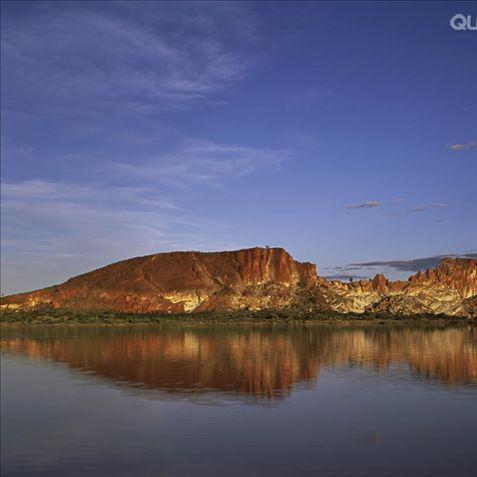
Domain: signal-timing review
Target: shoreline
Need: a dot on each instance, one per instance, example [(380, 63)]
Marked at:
[(241, 317)]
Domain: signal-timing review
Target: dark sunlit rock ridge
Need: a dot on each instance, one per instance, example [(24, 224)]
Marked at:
[(255, 278)]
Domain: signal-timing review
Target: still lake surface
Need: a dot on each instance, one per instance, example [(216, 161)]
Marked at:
[(321, 400)]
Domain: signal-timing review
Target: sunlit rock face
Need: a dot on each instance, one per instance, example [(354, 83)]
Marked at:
[(182, 281), (459, 274), (447, 289), (256, 278)]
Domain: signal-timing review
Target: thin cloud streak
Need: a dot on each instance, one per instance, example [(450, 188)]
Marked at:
[(411, 265), (364, 205), (345, 277), (203, 162), (463, 146)]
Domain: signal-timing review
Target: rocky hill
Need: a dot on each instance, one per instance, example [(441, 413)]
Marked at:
[(256, 278), (449, 289)]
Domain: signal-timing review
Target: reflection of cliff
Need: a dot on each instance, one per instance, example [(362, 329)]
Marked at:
[(258, 361)]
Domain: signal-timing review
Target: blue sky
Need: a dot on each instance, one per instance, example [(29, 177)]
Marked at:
[(344, 132)]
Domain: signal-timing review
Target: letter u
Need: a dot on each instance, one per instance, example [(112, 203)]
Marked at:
[(469, 23)]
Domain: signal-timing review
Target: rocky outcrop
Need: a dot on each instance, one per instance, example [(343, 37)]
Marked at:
[(256, 278), (182, 281), (459, 274), (448, 289)]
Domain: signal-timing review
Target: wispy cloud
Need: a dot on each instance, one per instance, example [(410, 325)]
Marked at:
[(343, 277), (198, 161), (372, 204), (50, 192), (463, 146), (161, 57), (364, 205), (423, 207), (411, 265)]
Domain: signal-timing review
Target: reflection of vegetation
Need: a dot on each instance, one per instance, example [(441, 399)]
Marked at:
[(264, 361), (52, 316)]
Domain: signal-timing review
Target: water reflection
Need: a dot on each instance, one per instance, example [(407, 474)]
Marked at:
[(259, 361)]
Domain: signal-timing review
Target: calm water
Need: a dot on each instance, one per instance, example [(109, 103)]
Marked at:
[(240, 401)]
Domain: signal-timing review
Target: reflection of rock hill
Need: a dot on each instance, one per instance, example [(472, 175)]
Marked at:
[(257, 278), (263, 362)]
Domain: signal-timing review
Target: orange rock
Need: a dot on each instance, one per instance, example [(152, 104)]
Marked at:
[(255, 278), (177, 282)]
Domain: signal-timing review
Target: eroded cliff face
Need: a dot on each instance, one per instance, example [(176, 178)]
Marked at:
[(182, 281), (459, 274), (448, 289), (256, 278)]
